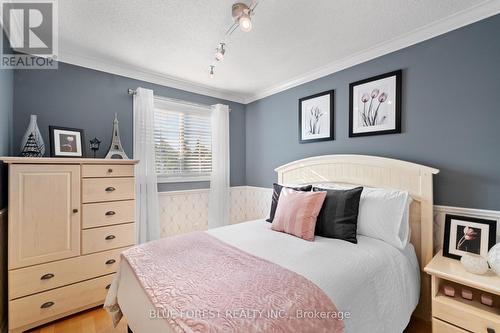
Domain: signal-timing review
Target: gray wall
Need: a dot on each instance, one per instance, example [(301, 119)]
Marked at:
[(451, 117), (6, 94), (78, 97)]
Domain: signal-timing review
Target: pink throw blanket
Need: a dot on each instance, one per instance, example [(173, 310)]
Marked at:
[(201, 284)]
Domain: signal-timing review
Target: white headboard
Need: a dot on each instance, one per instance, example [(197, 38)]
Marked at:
[(378, 172)]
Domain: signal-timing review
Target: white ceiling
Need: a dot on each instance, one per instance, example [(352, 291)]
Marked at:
[(293, 41)]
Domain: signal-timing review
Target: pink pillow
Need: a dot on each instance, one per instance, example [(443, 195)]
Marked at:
[(297, 212)]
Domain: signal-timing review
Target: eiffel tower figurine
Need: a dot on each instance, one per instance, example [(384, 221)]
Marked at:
[(116, 150)]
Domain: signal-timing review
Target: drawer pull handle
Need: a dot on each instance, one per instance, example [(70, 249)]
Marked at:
[(110, 170), (75, 211), (46, 305), (110, 262), (47, 276), (110, 237), (490, 330), (110, 213), (108, 286), (110, 189)]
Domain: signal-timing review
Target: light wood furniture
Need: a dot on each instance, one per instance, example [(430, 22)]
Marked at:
[(69, 220), (455, 314), (379, 172)]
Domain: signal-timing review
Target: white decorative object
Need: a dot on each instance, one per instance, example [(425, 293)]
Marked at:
[(474, 263), (494, 258), (116, 150), (146, 187), (218, 201), (32, 144)]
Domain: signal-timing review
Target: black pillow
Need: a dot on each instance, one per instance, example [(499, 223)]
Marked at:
[(338, 217), (276, 195)]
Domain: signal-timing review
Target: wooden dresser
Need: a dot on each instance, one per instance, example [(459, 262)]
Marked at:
[(69, 220)]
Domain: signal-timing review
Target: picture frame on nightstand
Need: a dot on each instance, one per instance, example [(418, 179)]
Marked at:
[(465, 234)]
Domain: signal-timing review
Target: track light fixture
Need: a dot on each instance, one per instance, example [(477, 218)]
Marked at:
[(242, 15), (220, 52)]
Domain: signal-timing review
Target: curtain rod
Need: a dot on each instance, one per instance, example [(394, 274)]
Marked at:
[(175, 100)]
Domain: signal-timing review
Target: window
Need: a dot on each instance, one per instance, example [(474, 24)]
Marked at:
[(183, 142)]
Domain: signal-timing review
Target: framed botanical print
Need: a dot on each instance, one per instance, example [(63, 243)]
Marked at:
[(316, 117), (463, 234), (66, 142), (375, 105)]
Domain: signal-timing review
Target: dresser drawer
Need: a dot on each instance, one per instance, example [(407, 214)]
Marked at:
[(30, 280), (110, 170), (53, 303), (469, 316), (106, 238), (107, 213), (107, 189), (439, 326)]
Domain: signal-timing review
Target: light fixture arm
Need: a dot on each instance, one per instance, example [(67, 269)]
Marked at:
[(242, 17)]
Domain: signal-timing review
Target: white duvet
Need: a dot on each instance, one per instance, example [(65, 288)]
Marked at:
[(377, 284)]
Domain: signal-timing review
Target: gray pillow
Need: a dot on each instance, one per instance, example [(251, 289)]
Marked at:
[(338, 217)]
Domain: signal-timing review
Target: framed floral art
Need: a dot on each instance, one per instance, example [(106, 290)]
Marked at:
[(464, 234), (375, 105), (316, 117)]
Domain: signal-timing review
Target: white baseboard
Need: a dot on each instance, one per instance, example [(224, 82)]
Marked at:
[(482, 213)]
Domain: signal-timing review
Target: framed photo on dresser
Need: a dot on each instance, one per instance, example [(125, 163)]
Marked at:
[(375, 105), (465, 234), (66, 142), (316, 114)]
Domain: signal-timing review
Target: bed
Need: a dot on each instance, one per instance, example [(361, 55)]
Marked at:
[(377, 284)]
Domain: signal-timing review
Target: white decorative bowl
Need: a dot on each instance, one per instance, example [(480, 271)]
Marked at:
[(474, 263), (494, 258)]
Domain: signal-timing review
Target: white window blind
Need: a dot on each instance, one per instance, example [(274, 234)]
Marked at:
[(183, 142)]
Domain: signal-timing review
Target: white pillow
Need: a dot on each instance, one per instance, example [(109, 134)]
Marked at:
[(383, 214)]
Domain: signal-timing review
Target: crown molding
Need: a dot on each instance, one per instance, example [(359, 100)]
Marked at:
[(434, 29), (481, 11), (137, 73)]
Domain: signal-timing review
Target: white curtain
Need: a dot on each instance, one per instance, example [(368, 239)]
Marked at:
[(218, 205), (146, 190)]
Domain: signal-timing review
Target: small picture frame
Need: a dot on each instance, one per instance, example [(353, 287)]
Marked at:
[(316, 113), (66, 142), (375, 105), (464, 234)]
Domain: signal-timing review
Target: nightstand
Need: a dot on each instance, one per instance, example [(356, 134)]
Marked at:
[(456, 314)]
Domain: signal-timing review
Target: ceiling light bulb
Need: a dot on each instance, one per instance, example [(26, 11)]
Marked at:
[(212, 71), (245, 22), (221, 51)]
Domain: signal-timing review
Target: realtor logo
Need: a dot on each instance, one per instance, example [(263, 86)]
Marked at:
[(30, 34)]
